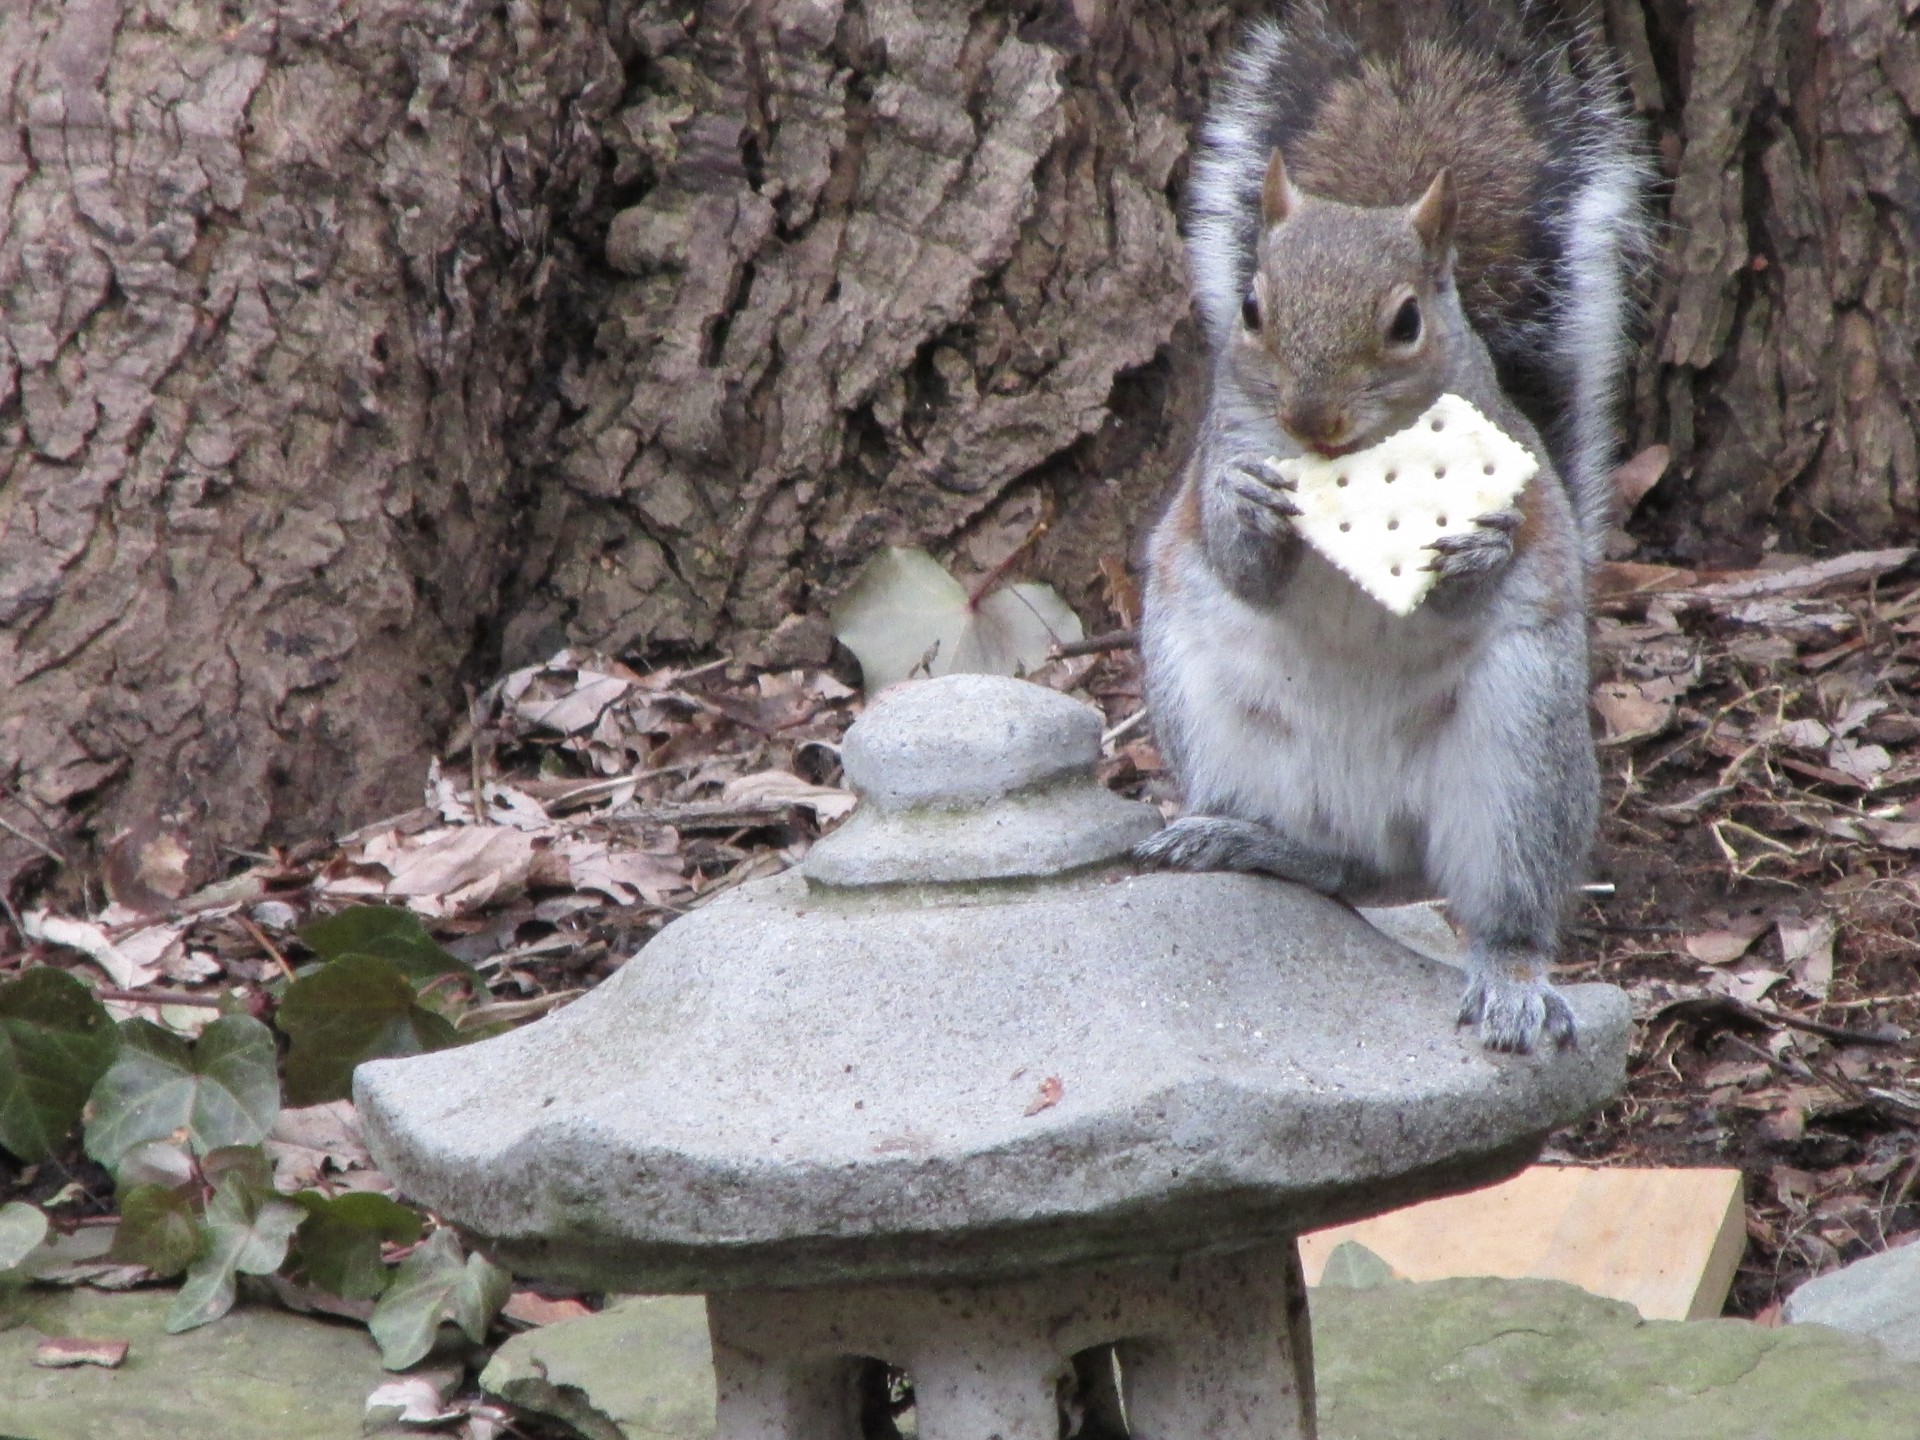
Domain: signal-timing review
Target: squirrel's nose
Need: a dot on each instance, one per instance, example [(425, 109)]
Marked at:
[(1317, 424)]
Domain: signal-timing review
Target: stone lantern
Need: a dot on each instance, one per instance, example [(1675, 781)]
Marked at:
[(968, 1095)]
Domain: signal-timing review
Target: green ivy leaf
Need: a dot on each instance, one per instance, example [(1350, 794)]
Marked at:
[(339, 1243), (153, 1162), (356, 1008), (247, 1233), (249, 1162), (22, 1228), (223, 1089), (393, 934), (435, 1284), (56, 1040), (159, 1228)]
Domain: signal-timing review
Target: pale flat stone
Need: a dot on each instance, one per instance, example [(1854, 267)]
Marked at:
[(257, 1372), (1544, 1360), (1877, 1296), (639, 1370)]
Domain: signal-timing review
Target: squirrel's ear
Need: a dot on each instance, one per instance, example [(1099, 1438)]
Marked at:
[(1433, 214), (1278, 198)]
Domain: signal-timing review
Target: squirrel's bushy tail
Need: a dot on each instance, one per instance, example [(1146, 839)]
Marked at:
[(1530, 117)]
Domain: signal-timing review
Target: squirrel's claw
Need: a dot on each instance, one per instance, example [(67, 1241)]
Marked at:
[(1265, 492), (1514, 1016), (1266, 470), (1479, 551)]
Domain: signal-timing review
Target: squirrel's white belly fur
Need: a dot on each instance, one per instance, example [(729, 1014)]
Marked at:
[(1276, 723)]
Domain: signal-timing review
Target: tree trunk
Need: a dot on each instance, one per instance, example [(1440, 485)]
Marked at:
[(272, 278), (348, 352)]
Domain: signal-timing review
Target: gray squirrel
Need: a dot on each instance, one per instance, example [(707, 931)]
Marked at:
[(1368, 232)]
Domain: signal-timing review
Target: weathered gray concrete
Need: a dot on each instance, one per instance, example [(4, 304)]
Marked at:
[(966, 740), (1877, 1296), (811, 1083), (1211, 1345), (790, 1087), (256, 1372), (975, 777)]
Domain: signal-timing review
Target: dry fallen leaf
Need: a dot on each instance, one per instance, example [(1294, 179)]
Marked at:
[(131, 962), (827, 803), (1806, 948), (409, 1400), (1051, 1089), (460, 868), (1862, 763), (531, 1309), (626, 877), (1746, 985), (1634, 710), (1723, 947), (1633, 479)]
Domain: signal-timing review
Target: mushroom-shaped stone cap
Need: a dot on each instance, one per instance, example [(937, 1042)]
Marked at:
[(975, 777), (810, 1081)]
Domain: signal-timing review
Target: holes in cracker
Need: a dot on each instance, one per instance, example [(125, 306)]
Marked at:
[(1393, 570), (1340, 480), (1386, 479), (1438, 426), (1394, 524), (1346, 524), (1439, 472)]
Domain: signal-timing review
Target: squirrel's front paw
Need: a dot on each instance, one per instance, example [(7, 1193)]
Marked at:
[(1513, 1015), (1265, 496), (1480, 552)]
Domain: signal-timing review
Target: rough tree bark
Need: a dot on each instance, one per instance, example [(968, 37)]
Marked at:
[(350, 349)]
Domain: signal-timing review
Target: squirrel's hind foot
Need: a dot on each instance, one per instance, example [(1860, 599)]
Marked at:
[(1515, 1015)]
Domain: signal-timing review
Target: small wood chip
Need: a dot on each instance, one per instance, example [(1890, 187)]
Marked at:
[(65, 1351), (531, 1309)]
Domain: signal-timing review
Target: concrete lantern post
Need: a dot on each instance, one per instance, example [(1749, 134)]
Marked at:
[(967, 1095)]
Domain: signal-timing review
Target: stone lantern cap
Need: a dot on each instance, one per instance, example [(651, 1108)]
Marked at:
[(966, 1040)]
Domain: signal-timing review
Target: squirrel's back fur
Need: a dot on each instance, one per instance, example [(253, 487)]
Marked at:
[(1544, 161)]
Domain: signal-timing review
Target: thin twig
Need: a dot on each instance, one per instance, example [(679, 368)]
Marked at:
[(160, 997), (1125, 728), (1095, 644), (1867, 1002), (40, 845), (476, 762), (259, 937)]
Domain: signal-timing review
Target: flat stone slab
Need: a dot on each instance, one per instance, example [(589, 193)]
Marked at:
[(799, 1084), (257, 1372), (639, 1370), (1493, 1359), (1543, 1360), (1877, 1296)]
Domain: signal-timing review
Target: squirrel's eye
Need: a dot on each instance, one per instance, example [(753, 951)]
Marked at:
[(1250, 310), (1406, 323)]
